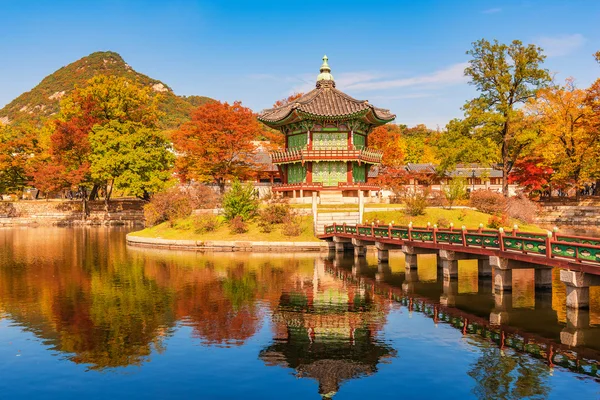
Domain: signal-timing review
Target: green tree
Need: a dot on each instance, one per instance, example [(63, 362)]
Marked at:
[(455, 190), (130, 156), (505, 76), (240, 201)]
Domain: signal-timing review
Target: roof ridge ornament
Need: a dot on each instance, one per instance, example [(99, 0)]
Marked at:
[(325, 79)]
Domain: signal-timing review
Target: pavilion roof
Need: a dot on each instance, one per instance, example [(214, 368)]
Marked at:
[(325, 102)]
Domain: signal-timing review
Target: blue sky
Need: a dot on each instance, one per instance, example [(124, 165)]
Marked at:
[(405, 56)]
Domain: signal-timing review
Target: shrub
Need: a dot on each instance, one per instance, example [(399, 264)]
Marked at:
[(488, 201), (202, 196), (443, 223), (237, 225), (240, 201), (455, 190), (292, 225), (271, 215), (169, 206), (462, 215), (206, 223), (415, 204), (437, 199), (522, 209), (497, 221)]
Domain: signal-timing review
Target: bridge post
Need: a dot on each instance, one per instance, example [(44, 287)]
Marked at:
[(543, 278), (410, 261), (502, 274), (578, 324), (410, 278), (383, 272), (449, 291), (342, 244), (578, 287), (360, 248), (484, 269), (449, 269), (502, 304), (383, 252)]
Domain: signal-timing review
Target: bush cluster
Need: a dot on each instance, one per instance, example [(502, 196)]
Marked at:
[(238, 225), (443, 223), (488, 201), (273, 214), (204, 223), (498, 220), (522, 209), (415, 203), (178, 202), (292, 225)]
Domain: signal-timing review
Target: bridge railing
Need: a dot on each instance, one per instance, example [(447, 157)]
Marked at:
[(573, 248)]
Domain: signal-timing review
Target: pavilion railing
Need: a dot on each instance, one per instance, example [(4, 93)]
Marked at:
[(551, 245), (292, 155)]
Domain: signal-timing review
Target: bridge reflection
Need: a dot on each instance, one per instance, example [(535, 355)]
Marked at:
[(528, 319)]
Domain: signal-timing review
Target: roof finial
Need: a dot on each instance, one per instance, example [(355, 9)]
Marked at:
[(325, 74)]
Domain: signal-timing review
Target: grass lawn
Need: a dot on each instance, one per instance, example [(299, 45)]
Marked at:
[(467, 217), (184, 229)]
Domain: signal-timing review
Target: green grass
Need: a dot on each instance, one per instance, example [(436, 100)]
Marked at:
[(467, 217), (184, 229)]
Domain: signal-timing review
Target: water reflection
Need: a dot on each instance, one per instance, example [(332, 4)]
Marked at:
[(327, 330), (328, 318)]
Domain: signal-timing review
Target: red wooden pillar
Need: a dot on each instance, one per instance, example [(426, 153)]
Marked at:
[(349, 140), (309, 172), (349, 172)]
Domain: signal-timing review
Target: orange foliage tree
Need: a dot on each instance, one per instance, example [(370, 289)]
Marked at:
[(216, 145)]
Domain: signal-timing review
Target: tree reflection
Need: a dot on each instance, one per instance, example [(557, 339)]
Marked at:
[(508, 376)]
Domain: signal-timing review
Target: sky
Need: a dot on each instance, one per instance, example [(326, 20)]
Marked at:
[(407, 56)]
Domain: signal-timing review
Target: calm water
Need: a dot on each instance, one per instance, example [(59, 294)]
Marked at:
[(83, 316)]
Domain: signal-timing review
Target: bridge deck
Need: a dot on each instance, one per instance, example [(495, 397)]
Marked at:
[(572, 252)]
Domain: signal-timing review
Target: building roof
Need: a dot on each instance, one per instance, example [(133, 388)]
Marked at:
[(325, 102)]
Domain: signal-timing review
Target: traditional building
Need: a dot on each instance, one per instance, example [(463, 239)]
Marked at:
[(326, 146)]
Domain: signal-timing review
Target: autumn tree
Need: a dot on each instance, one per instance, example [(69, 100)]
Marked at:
[(216, 145), (566, 142), (388, 139), (505, 76), (17, 147), (532, 174), (72, 160), (130, 156)]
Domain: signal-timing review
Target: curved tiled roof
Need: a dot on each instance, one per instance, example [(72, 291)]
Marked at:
[(325, 101)]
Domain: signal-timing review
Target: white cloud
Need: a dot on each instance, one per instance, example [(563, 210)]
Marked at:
[(491, 10), (556, 46), (451, 75)]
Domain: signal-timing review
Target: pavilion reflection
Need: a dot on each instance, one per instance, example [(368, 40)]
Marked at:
[(328, 329)]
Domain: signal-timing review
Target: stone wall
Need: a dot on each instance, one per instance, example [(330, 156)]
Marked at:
[(65, 212), (585, 213)]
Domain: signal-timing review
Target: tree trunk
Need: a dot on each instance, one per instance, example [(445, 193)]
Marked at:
[(94, 192), (221, 183)]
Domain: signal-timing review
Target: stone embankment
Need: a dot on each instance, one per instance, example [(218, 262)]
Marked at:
[(583, 213), (65, 213), (224, 246)]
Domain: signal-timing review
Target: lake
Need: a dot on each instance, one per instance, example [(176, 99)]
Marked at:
[(84, 316)]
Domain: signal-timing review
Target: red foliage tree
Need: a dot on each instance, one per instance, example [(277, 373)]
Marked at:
[(216, 145), (531, 174)]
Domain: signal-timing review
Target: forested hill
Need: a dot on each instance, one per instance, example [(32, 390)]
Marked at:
[(43, 100)]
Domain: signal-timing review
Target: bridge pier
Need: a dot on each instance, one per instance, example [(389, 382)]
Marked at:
[(360, 248), (383, 252), (449, 269), (384, 271), (578, 324), (484, 269), (449, 291), (543, 278), (410, 261), (359, 267), (410, 278), (502, 303), (578, 287), (342, 244)]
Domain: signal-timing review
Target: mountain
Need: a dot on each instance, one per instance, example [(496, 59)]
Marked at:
[(43, 100)]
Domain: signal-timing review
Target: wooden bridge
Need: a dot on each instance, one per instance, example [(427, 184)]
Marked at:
[(499, 252)]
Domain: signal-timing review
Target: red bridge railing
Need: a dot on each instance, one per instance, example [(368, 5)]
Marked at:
[(577, 249)]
